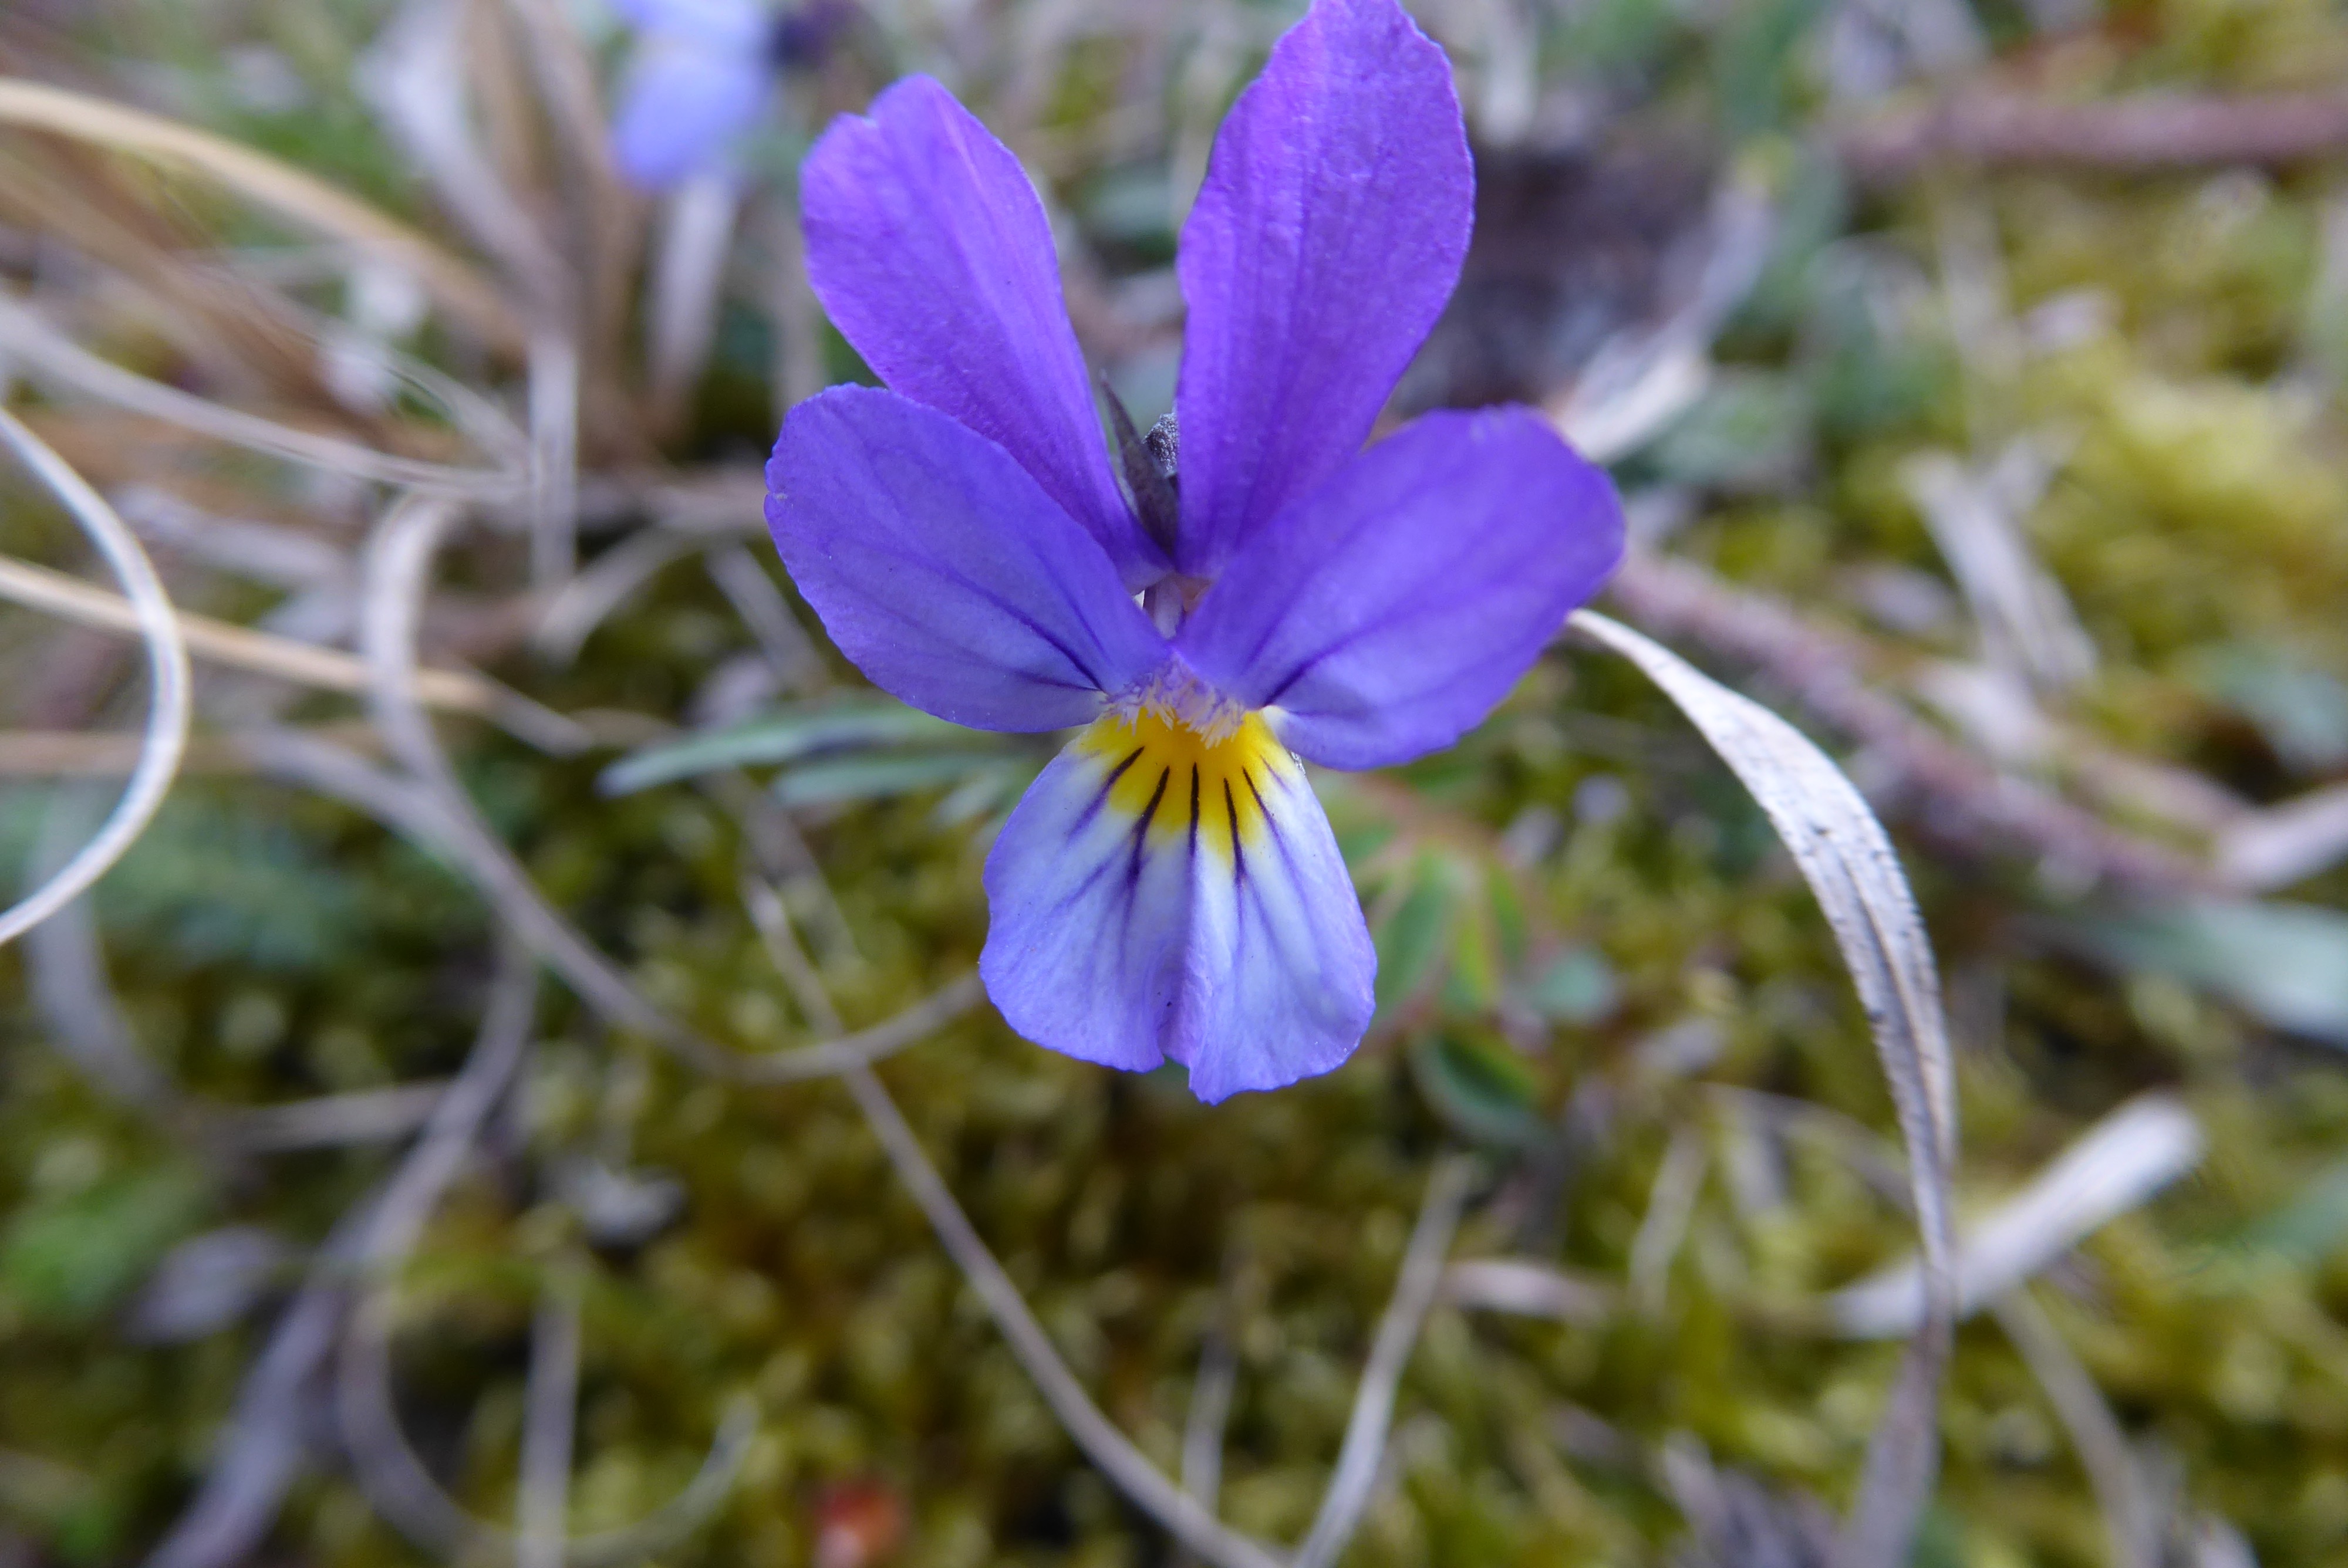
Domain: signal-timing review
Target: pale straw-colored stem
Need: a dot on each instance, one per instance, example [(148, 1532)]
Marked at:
[(168, 703), (304, 663), (287, 190)]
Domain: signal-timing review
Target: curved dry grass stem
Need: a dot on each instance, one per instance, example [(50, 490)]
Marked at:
[(64, 964), (292, 193), (398, 561), (1108, 1449), (438, 811), (550, 1421), (843, 1050), (2131, 1516), (42, 350), (388, 1470), (1845, 855), (1364, 1450), (402, 1490), (266, 1441), (553, 459), (2116, 1166), (1207, 1420), (590, 595), (304, 663), (1181, 1509), (169, 706)]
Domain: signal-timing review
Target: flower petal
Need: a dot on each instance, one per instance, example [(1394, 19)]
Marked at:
[(929, 249), (1159, 895), (685, 104), (737, 27), (1324, 245), (1389, 611), (942, 569)]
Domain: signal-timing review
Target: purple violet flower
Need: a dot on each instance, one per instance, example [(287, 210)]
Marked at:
[(1170, 888), (705, 71)]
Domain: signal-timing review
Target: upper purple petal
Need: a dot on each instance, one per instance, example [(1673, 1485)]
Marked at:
[(1387, 612), (1327, 236), (943, 572), (930, 251), (685, 104)]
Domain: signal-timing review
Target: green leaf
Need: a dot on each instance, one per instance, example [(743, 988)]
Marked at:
[(1750, 430), (70, 1259), (851, 724), (850, 779), (1409, 941), (978, 794), (2300, 710), (2287, 963), (1578, 987), (1473, 981), (2311, 1227), (1483, 1092)]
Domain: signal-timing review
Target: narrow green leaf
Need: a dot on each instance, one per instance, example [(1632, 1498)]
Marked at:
[(1481, 1090), (2287, 963), (1410, 941), (852, 724), (1579, 987), (848, 779)]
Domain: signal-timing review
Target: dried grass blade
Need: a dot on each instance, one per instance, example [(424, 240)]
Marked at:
[(66, 978), (694, 237), (549, 1425), (327, 669), (170, 705), (2121, 1162), (1847, 858), (1108, 1449), (575, 611), (1364, 1450), (287, 190), (2131, 1516), (398, 561), (554, 459), (388, 1470), (415, 78), (43, 349)]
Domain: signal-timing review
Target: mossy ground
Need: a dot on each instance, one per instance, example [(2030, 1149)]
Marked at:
[(1576, 881)]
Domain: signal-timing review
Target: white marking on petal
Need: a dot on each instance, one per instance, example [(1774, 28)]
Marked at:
[(1165, 893)]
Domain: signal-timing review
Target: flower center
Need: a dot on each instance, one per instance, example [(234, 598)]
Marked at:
[(1175, 695), (1170, 778)]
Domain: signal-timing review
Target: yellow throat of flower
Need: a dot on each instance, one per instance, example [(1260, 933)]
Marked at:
[(1174, 781)]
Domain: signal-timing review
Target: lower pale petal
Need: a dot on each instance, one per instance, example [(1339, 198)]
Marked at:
[(1161, 896)]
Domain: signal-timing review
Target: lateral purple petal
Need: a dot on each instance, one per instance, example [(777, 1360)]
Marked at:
[(686, 104), (930, 250), (1386, 613), (943, 572), (1327, 236)]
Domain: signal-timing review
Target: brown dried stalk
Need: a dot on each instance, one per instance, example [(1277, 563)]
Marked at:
[(2142, 134)]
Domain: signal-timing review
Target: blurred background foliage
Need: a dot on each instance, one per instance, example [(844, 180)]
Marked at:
[(2047, 445)]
